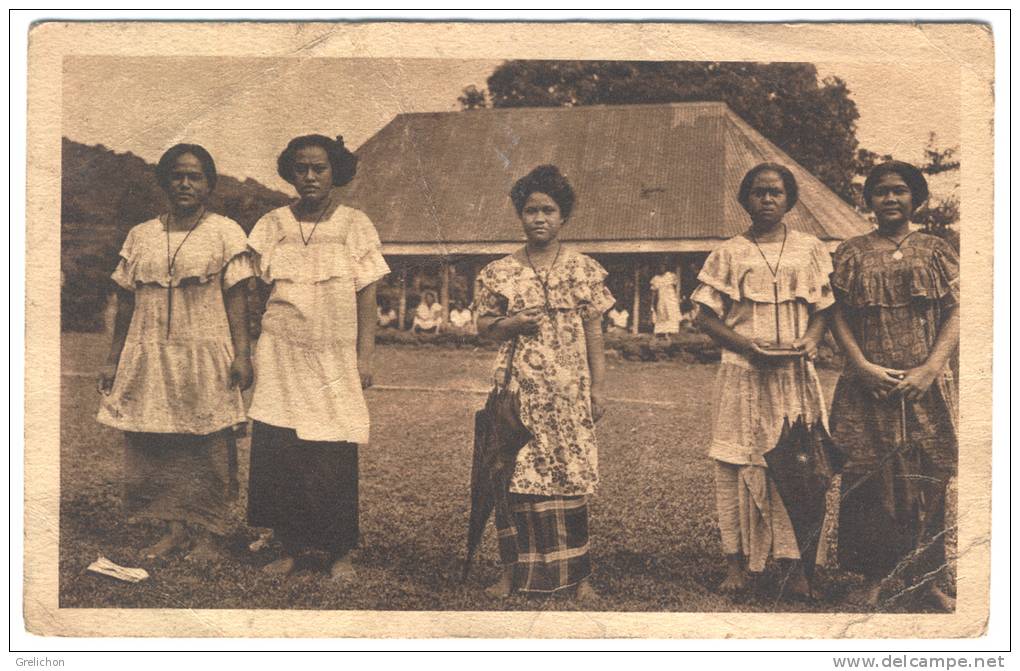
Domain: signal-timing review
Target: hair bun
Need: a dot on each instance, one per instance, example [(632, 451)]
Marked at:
[(340, 140)]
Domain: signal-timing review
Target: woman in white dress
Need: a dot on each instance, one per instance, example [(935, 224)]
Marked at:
[(768, 281), (313, 359), (180, 359), (666, 301)]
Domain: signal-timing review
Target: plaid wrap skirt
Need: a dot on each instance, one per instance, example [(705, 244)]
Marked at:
[(546, 541)]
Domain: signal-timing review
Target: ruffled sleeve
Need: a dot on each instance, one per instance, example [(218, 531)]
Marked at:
[(721, 272), (365, 249), (262, 241), (719, 282), (235, 251), (818, 277), (845, 270), (124, 273), (591, 295), (488, 301), (946, 274)]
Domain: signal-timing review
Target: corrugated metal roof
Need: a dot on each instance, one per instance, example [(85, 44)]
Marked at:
[(641, 172)]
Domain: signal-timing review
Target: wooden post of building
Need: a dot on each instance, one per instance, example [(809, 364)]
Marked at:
[(680, 277), (402, 303), (635, 317), (444, 287), (416, 278)]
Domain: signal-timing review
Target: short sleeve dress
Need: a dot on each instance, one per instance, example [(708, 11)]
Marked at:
[(895, 308), (174, 369), (306, 360), (667, 308), (171, 394), (752, 403), (550, 368)]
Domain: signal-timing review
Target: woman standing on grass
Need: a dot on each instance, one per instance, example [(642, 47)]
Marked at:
[(764, 287), (547, 303), (894, 408), (180, 359), (313, 358)]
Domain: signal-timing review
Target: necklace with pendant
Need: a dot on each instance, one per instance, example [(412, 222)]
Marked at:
[(171, 264), (301, 229), (774, 271), (544, 281), (897, 253)]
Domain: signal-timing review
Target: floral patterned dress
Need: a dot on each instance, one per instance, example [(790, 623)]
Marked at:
[(550, 369)]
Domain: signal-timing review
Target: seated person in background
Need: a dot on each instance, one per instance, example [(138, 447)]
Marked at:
[(428, 316), (387, 316), (618, 319), (461, 318)]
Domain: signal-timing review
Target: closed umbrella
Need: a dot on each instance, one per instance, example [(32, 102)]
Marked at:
[(802, 465), (499, 436)]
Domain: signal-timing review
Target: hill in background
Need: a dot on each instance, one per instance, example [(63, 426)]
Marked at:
[(104, 194)]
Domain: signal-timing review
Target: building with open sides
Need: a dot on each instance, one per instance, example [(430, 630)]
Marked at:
[(656, 186)]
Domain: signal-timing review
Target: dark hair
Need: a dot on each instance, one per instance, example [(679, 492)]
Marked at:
[(911, 175), (789, 183), (341, 160), (170, 156), (545, 179)]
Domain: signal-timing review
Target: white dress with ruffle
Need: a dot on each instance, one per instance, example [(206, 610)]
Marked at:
[(176, 380), (752, 402), (306, 360)]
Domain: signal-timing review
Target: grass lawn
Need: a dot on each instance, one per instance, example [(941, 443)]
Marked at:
[(654, 541)]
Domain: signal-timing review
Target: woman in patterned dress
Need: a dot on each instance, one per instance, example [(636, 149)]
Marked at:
[(894, 408), (766, 281), (180, 359), (313, 358), (546, 302)]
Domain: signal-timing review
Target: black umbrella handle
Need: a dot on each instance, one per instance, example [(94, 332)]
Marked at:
[(802, 367), (510, 362), (903, 421)]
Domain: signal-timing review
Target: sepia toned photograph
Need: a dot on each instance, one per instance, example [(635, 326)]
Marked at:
[(486, 337)]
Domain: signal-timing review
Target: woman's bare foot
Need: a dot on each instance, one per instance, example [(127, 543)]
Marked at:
[(585, 593), (941, 599), (174, 540), (736, 578), (204, 549), (504, 587), (281, 567), (342, 569)]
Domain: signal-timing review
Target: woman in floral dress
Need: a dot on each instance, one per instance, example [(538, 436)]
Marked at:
[(180, 359), (546, 302), (895, 409), (768, 273), (313, 358)]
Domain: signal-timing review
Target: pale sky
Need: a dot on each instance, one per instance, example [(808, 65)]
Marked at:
[(244, 110)]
